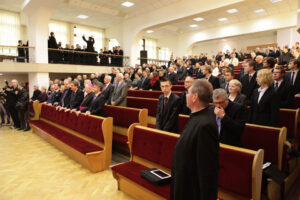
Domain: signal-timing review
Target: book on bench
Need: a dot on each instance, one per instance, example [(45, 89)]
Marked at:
[(156, 176)]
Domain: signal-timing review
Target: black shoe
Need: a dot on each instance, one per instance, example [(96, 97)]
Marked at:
[(20, 129), (27, 129), (7, 123)]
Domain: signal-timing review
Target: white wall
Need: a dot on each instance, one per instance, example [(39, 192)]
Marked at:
[(240, 43), (169, 42), (288, 37), (10, 76)]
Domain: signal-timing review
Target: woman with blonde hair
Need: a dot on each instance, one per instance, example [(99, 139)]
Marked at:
[(235, 87), (264, 102)]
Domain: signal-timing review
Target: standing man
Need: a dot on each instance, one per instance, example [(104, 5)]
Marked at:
[(108, 89), (196, 154), (11, 101), (120, 92), (183, 107), (168, 108), (22, 107)]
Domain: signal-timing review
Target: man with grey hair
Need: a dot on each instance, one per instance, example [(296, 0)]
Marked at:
[(107, 89), (188, 82), (36, 93), (196, 154), (120, 91), (230, 118), (259, 62)]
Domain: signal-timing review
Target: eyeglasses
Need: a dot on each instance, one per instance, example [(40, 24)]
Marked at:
[(220, 102)]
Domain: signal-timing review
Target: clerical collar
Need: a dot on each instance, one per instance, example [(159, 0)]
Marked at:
[(198, 111)]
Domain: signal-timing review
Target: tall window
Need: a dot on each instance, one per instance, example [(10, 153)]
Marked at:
[(150, 47), (61, 32), (112, 43), (79, 31), (9, 31), (164, 54)]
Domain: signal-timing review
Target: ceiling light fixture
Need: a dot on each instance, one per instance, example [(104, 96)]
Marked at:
[(198, 19), (231, 11), (127, 4), (82, 16), (193, 25), (150, 31), (259, 11), (275, 1), (223, 19)]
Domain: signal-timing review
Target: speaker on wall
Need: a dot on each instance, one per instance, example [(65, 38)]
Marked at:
[(143, 56)]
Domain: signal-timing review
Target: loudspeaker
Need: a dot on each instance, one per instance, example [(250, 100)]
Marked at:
[(143, 56)]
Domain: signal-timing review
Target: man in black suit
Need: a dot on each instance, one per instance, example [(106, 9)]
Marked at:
[(283, 88), (21, 52), (66, 96), (167, 108), (249, 80), (36, 93), (11, 100), (230, 118), (293, 77), (285, 57), (108, 89), (229, 75), (196, 154), (188, 82), (97, 105), (53, 54), (259, 62), (144, 83), (76, 96), (207, 70), (172, 76)]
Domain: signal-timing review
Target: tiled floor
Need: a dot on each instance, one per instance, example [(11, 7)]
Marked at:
[(33, 169)]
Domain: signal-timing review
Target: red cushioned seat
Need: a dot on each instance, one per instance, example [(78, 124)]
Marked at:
[(179, 88), (122, 116), (120, 138), (75, 142), (151, 125), (182, 120), (235, 172), (132, 171), (150, 104), (287, 119)]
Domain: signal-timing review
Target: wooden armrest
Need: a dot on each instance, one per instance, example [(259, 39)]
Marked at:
[(288, 144)]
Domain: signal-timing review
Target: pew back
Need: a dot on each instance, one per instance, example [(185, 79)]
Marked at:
[(147, 93)]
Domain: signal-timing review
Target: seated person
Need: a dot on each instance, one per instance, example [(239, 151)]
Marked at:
[(183, 107), (283, 88), (264, 102), (172, 76), (168, 108), (235, 95), (154, 81), (76, 96), (135, 82), (144, 83), (43, 95), (230, 118), (87, 100), (96, 107), (36, 93)]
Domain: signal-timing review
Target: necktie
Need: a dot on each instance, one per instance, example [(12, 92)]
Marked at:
[(292, 78), (276, 86), (95, 96), (63, 98), (250, 76), (218, 120), (226, 87), (104, 88), (165, 102)]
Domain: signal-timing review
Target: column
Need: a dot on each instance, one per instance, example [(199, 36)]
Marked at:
[(40, 79)]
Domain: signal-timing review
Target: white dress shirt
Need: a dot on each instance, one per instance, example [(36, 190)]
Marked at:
[(261, 93)]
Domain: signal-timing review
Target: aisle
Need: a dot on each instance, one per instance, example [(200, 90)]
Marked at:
[(32, 169)]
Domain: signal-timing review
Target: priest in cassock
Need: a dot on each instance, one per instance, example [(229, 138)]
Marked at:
[(196, 154)]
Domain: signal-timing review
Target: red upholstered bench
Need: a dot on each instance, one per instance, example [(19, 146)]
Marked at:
[(179, 88), (297, 102), (180, 82), (86, 139), (147, 93), (289, 118), (123, 117), (148, 103), (239, 176)]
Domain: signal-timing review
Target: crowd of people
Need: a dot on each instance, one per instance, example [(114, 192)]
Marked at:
[(86, 55)]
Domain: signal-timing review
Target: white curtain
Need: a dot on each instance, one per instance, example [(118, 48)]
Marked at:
[(150, 47), (88, 31), (164, 54), (61, 32), (9, 31)]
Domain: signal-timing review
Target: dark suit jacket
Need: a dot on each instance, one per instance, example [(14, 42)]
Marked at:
[(285, 94), (167, 118), (87, 100), (183, 108), (214, 81), (173, 78), (108, 93), (144, 83), (57, 96), (296, 86), (65, 101), (35, 95), (232, 124), (181, 72), (249, 87), (76, 99), (240, 99), (199, 73), (266, 112), (97, 105)]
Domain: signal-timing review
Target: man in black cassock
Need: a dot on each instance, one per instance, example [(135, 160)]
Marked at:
[(196, 154)]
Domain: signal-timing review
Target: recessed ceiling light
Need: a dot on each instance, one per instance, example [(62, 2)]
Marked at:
[(259, 11), (275, 1), (82, 16), (127, 4), (150, 31), (198, 19), (193, 25), (1, 74), (231, 11), (223, 19)]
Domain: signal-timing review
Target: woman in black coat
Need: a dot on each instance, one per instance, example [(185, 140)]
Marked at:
[(154, 81), (235, 95), (264, 102)]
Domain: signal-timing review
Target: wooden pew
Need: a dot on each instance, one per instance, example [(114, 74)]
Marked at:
[(237, 180), (179, 88), (297, 102), (34, 110), (180, 82), (123, 117), (147, 93), (86, 139)]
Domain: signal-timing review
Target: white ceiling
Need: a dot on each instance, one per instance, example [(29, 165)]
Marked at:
[(245, 12)]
